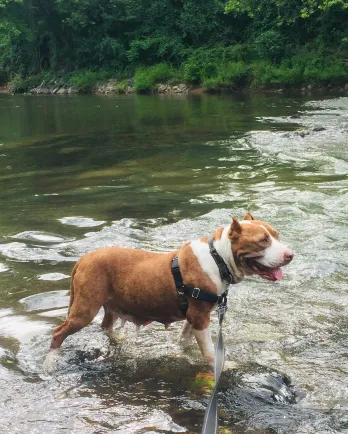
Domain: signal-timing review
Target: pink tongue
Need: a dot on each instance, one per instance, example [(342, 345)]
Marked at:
[(277, 273)]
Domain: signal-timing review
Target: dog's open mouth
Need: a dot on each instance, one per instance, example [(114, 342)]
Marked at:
[(264, 272)]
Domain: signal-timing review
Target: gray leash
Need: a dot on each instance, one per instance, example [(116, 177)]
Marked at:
[(211, 421)]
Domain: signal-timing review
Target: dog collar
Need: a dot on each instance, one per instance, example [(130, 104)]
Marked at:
[(225, 274)]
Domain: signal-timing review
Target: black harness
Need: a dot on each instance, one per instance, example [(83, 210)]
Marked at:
[(201, 294)]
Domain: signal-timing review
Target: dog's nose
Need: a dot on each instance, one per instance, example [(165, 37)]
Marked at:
[(288, 257)]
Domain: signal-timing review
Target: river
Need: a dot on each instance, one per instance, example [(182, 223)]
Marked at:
[(81, 172)]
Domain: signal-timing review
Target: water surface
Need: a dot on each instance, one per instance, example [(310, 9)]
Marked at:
[(81, 172)]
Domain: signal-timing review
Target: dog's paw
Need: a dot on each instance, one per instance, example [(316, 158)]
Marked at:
[(50, 364)]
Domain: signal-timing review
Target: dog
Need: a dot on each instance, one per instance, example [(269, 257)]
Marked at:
[(142, 286)]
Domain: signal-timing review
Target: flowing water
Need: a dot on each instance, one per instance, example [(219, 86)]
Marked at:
[(81, 172)]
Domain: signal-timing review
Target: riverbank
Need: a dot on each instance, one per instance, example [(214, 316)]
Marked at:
[(111, 87), (305, 72)]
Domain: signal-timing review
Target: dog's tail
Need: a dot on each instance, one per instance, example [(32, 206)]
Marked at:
[(71, 301)]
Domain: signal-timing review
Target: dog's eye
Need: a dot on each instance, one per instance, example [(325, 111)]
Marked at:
[(264, 239)]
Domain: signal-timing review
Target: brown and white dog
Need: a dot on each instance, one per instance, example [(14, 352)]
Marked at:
[(138, 285)]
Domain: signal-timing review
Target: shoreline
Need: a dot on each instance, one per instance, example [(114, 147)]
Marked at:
[(109, 87)]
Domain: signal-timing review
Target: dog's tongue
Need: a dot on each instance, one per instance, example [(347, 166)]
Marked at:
[(277, 273)]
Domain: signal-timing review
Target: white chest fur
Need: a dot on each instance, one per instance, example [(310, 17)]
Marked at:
[(206, 261)]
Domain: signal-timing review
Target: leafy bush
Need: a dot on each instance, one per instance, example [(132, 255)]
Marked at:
[(149, 50), (228, 75), (214, 83), (234, 73), (320, 70), (146, 78), (23, 84), (269, 45), (266, 74), (238, 53), (85, 81), (122, 85), (192, 72)]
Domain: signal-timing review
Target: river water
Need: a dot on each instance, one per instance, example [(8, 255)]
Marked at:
[(82, 172)]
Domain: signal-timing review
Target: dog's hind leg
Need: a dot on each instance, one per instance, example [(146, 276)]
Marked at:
[(186, 335), (87, 297), (75, 322), (110, 317)]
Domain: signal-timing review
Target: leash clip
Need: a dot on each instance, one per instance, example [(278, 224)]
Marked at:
[(222, 308), (222, 303)]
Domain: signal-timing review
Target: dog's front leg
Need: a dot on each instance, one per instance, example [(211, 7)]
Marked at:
[(203, 338)]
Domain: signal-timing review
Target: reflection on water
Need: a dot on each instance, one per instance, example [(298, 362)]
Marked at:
[(80, 173)]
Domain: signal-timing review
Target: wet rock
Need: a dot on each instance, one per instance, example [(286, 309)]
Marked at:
[(72, 90), (316, 129), (5, 89), (167, 88), (106, 88), (53, 89), (162, 88), (302, 133)]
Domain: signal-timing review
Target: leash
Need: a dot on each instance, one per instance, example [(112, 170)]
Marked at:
[(211, 420)]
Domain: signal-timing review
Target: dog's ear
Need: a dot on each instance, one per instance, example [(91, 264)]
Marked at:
[(235, 228), (248, 216)]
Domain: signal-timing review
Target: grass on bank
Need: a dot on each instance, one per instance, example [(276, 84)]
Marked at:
[(294, 72), (146, 79)]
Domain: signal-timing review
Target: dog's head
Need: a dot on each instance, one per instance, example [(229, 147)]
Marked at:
[(256, 248)]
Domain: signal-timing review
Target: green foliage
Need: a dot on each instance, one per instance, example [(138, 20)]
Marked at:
[(229, 75), (149, 50), (321, 70), (269, 45), (235, 74), (216, 43), (122, 85), (146, 78), (86, 80), (300, 70), (23, 84)]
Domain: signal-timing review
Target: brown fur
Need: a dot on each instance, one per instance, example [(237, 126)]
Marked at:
[(138, 285)]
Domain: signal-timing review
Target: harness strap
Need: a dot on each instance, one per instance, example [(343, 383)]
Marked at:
[(190, 291)]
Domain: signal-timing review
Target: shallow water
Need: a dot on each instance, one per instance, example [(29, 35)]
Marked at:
[(82, 172)]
